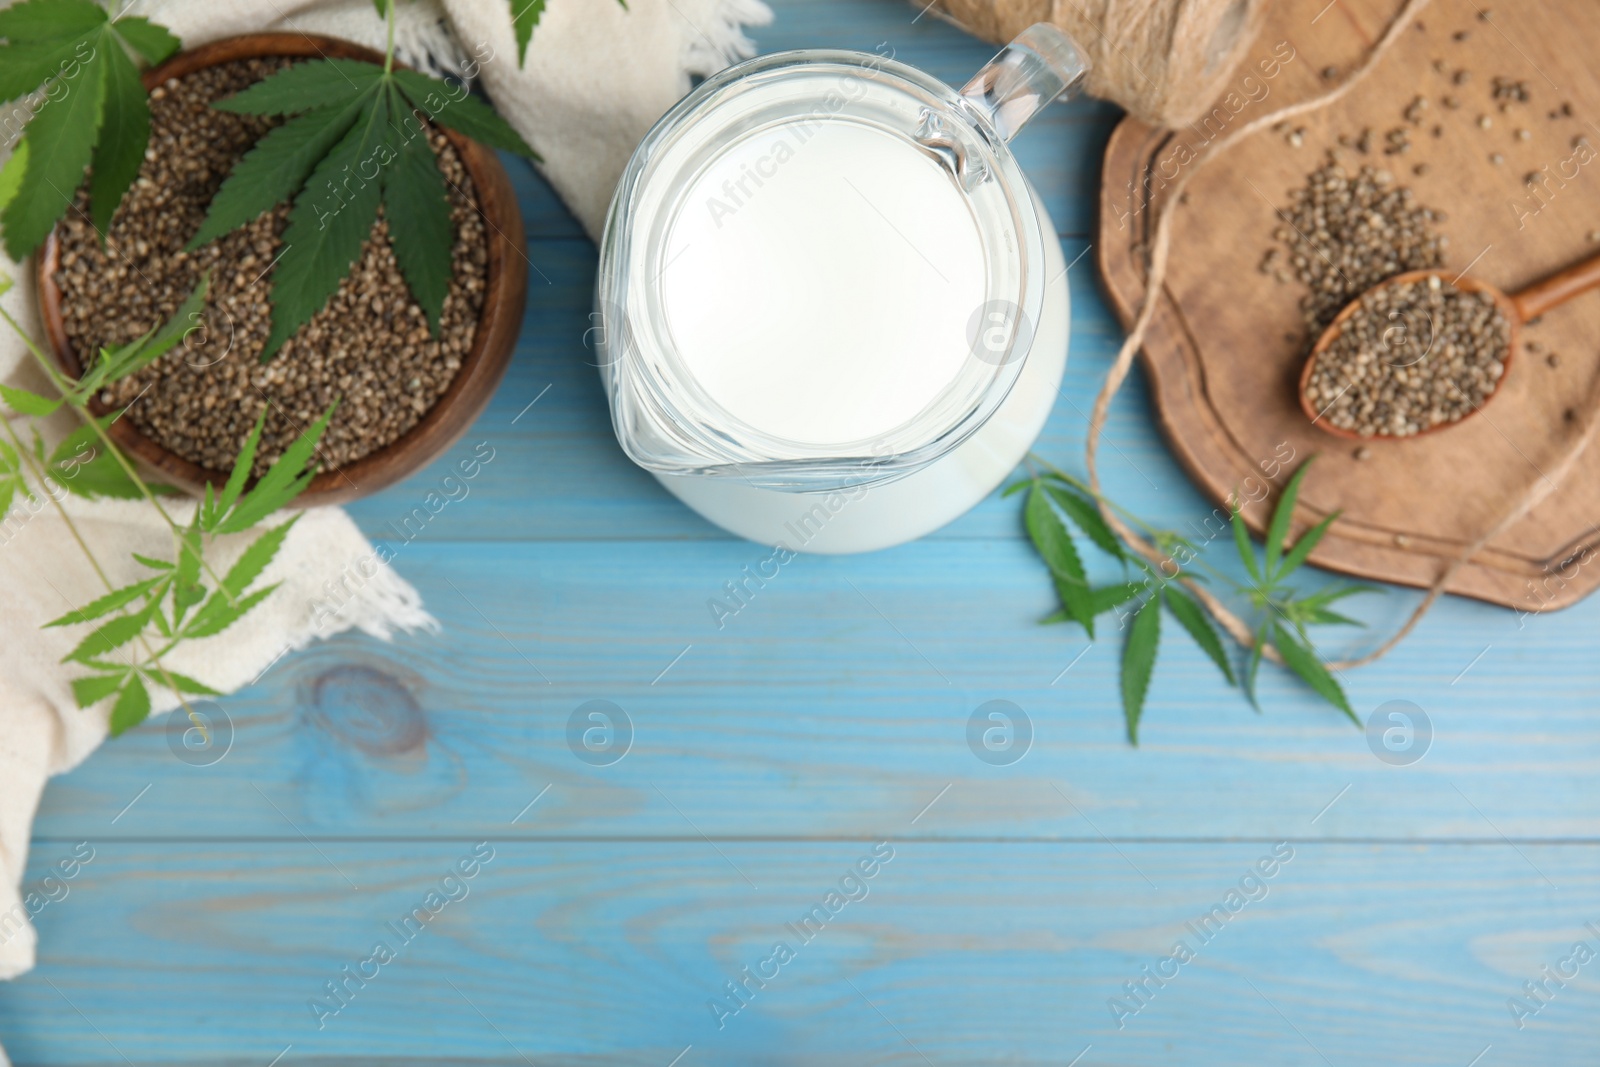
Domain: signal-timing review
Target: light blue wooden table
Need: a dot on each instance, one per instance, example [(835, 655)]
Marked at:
[(770, 757)]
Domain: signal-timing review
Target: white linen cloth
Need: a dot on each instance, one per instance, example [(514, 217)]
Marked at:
[(596, 77)]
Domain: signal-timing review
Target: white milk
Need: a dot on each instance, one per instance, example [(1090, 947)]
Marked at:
[(819, 281)]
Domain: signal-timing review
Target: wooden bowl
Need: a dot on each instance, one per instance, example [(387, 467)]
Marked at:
[(1506, 305), (481, 368)]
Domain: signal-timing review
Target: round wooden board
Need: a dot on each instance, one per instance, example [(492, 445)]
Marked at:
[(1226, 344)]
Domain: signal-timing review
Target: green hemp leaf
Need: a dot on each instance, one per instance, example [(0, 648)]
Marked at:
[(357, 141), (525, 15), (74, 64), (132, 628), (1058, 503)]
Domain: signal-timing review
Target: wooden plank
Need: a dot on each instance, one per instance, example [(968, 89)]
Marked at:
[(834, 703), (819, 719), (607, 953)]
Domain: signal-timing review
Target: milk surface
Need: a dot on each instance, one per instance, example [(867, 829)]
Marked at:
[(819, 281)]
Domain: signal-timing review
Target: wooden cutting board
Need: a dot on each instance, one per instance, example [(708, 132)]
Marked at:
[(1227, 343)]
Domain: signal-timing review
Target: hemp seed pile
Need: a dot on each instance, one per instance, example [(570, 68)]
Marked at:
[(1412, 356), (1346, 234), (370, 348)]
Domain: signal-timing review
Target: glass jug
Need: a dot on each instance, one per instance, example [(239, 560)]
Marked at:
[(832, 311)]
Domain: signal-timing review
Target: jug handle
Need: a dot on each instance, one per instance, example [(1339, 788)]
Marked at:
[(1040, 65)]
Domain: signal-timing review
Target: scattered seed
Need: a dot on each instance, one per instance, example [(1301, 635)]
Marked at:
[(1451, 103), (1461, 35), (1414, 110), (1509, 91), (1330, 73), (1594, 235), (1461, 77), (1402, 540), (1496, 158), (1483, 16), (1484, 122), (1523, 135), (1534, 347), (1420, 169), (1363, 452), (1554, 359), (1344, 233)]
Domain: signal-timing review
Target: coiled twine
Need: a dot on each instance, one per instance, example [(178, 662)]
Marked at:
[(1163, 61)]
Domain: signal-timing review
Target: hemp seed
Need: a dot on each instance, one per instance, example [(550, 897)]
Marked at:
[(1413, 356), (1344, 233), (370, 348)]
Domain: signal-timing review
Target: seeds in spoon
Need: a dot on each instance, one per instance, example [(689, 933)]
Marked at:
[(1412, 356)]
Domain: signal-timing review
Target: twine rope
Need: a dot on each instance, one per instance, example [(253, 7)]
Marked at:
[(1160, 249), (1163, 61)]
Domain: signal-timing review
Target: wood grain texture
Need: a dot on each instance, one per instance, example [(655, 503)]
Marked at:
[(825, 716), (812, 715), (1227, 345), (1552, 292), (595, 953)]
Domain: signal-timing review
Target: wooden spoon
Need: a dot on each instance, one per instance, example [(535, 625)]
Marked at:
[(1518, 309)]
